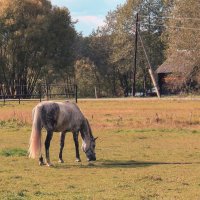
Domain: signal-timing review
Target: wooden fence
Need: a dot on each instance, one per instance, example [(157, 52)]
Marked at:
[(40, 92)]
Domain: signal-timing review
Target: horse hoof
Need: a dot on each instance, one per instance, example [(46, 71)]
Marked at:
[(49, 165), (41, 163), (78, 160), (61, 161)]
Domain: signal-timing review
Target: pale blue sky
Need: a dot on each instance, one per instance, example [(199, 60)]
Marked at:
[(89, 13)]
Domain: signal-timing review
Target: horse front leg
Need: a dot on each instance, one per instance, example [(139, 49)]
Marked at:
[(47, 145), (62, 143), (75, 137)]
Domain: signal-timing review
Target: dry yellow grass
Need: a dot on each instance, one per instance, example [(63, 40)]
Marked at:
[(125, 114), (147, 149)]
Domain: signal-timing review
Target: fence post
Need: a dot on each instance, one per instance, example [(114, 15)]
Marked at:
[(95, 91), (76, 93), (47, 92), (40, 92), (19, 92), (4, 96), (4, 99), (19, 99)]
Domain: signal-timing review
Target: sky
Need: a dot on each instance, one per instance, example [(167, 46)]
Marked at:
[(89, 13)]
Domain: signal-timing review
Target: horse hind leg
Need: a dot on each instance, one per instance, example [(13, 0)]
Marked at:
[(62, 143), (47, 145), (41, 160), (75, 137)]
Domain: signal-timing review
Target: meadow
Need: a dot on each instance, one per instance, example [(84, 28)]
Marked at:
[(147, 149)]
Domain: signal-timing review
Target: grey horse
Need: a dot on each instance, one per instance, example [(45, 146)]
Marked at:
[(60, 117)]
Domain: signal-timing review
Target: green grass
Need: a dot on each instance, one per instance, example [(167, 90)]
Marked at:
[(13, 152), (135, 160)]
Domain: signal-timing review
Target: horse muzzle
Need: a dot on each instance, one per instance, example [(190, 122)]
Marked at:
[(92, 158)]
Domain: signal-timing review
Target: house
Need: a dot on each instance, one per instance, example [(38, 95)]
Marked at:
[(179, 73)]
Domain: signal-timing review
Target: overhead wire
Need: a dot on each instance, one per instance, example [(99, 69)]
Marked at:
[(166, 26), (176, 18), (168, 17)]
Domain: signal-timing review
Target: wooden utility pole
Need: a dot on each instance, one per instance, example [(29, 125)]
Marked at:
[(135, 56), (150, 68)]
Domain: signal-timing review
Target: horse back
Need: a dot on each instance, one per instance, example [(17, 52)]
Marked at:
[(49, 115), (58, 116), (70, 117)]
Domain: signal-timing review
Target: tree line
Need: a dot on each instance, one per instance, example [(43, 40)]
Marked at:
[(39, 44)]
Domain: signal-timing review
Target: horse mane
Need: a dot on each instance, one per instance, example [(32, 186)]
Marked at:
[(88, 127), (90, 130)]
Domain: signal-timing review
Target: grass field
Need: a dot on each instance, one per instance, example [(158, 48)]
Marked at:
[(147, 149)]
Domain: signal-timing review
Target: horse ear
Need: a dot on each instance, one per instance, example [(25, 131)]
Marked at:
[(95, 138)]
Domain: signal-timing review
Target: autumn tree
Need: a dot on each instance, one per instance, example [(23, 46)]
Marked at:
[(183, 37), (86, 77), (34, 38), (183, 26), (118, 37)]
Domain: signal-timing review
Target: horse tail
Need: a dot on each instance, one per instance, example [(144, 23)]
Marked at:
[(35, 139)]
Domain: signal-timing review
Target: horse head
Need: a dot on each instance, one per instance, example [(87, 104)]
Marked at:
[(90, 149), (88, 145)]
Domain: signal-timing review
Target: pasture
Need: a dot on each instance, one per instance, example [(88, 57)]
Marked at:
[(147, 149)]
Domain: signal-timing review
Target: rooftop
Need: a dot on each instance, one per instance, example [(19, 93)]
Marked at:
[(179, 62)]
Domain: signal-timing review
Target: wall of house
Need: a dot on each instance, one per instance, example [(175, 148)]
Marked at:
[(171, 83)]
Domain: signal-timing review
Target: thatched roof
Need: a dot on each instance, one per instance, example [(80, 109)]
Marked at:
[(179, 62)]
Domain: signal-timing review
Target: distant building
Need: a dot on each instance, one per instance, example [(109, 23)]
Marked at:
[(179, 73)]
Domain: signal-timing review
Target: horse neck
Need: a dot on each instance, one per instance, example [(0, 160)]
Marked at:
[(89, 129), (86, 133)]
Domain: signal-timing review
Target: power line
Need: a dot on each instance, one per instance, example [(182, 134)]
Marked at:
[(178, 27), (176, 18)]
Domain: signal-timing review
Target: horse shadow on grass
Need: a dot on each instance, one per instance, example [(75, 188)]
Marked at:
[(121, 164)]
